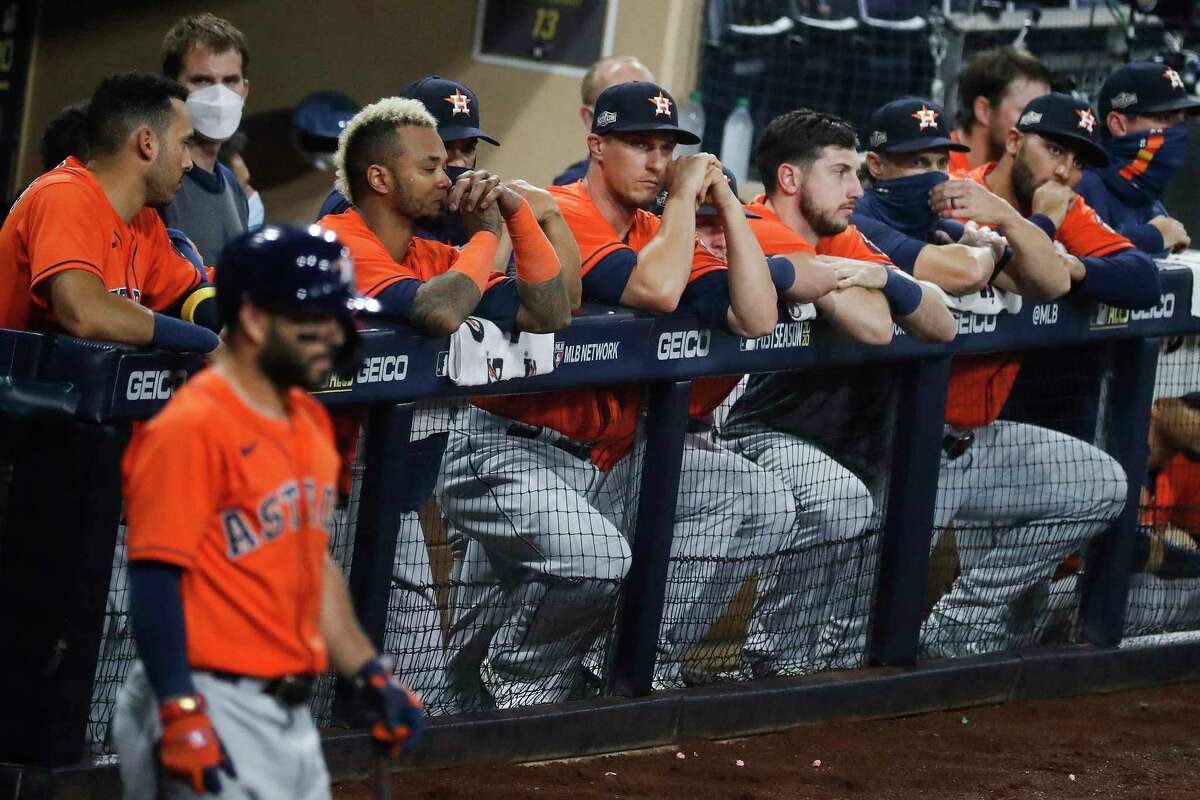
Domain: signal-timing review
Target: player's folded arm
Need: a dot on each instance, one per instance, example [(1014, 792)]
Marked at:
[(1127, 278)]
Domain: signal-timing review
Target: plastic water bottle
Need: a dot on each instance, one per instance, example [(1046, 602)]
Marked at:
[(737, 140), (691, 117)]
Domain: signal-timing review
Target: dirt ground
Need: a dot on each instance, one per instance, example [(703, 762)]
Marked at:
[(1141, 744)]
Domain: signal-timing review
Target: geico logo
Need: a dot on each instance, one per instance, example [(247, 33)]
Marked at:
[(976, 323), (381, 369), (1045, 314), (1164, 310), (683, 344), (150, 384)]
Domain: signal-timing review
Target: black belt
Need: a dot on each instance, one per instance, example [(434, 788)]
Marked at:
[(291, 690), (581, 450), (954, 446)]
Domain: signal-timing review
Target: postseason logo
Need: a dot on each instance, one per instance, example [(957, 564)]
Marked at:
[(786, 335)]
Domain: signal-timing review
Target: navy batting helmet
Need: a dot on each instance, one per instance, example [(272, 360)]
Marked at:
[(290, 269)]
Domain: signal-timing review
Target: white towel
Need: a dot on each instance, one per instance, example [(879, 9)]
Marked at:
[(799, 312), (1188, 259), (481, 353), (988, 302)]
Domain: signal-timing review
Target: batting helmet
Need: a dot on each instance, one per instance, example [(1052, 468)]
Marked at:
[(292, 269)]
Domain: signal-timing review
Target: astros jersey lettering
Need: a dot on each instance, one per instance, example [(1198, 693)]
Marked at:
[(243, 504), (980, 385), (64, 221)]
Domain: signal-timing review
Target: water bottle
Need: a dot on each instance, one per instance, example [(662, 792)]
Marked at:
[(691, 117), (737, 140)]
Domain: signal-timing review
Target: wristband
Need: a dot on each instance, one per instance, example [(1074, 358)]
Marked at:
[(1045, 223), (903, 295), (783, 272), (536, 260), (475, 259), (182, 337), (1002, 262)]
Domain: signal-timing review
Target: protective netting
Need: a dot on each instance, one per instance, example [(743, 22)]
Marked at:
[(848, 58), (805, 458), (1164, 590), (507, 581), (1019, 502)]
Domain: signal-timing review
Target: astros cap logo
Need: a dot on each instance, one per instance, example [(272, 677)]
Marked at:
[(1087, 119), (1173, 77), (461, 103), (662, 105), (926, 116)]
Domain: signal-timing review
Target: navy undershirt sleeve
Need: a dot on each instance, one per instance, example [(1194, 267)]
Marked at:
[(900, 248), (952, 227), (397, 300), (1128, 279), (708, 298), (1145, 237), (156, 616), (605, 282), (500, 304)]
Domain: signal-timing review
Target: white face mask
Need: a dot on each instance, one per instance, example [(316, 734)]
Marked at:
[(257, 212), (216, 111)]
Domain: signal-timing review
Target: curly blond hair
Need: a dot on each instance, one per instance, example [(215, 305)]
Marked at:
[(370, 137)]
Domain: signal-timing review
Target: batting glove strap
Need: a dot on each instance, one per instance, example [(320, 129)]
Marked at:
[(190, 748), (400, 716)]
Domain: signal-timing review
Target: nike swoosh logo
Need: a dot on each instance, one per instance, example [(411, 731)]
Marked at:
[(248, 449)]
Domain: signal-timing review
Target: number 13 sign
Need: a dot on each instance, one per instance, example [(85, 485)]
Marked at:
[(562, 36)]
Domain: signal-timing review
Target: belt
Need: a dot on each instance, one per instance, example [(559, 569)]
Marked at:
[(954, 446), (581, 450), (295, 689)]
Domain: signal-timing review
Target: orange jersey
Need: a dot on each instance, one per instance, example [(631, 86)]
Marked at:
[(980, 385), (1176, 499), (607, 416), (960, 163), (374, 268), (776, 238), (214, 488), (64, 221)]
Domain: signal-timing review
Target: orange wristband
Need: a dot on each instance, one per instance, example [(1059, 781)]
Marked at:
[(536, 260), (475, 259)]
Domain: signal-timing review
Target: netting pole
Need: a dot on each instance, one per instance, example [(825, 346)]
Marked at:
[(646, 582), (1106, 580), (388, 431), (55, 566), (908, 525)]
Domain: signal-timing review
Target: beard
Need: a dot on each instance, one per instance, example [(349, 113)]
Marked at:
[(823, 223), (1022, 180), (410, 205), (285, 367)]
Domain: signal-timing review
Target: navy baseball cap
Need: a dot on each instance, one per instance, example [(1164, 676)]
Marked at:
[(453, 105), (910, 125), (1146, 87), (324, 114), (639, 106), (1066, 120)]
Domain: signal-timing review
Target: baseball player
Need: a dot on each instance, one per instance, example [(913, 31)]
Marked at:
[(455, 106), (83, 250), (993, 87), (809, 165), (391, 161), (1002, 482), (237, 605), (1143, 108)]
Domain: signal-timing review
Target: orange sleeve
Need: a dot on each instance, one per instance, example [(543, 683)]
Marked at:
[(775, 238), (1084, 234), (63, 233), (169, 276), (850, 243), (169, 476)]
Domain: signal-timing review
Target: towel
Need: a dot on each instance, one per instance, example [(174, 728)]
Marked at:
[(987, 302), (481, 353), (799, 312), (1188, 259)]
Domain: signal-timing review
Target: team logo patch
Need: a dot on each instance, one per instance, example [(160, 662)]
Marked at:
[(926, 116), (662, 104), (1030, 118), (461, 103), (1173, 76), (1124, 100), (605, 119), (475, 327), (878, 138), (1087, 120)]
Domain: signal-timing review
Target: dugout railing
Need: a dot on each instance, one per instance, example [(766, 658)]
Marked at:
[(66, 407)]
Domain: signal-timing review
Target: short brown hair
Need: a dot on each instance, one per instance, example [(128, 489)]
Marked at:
[(798, 137), (204, 30), (989, 73)]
